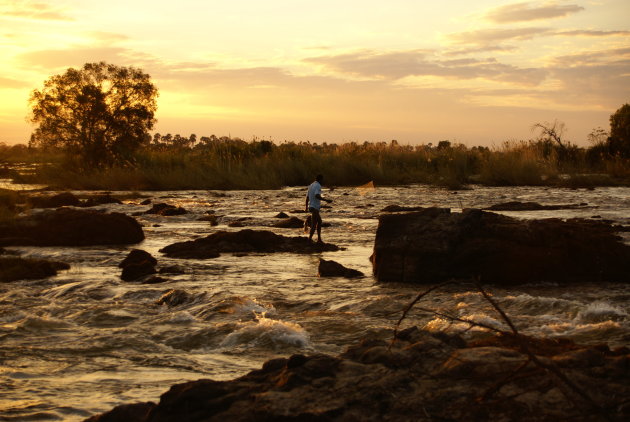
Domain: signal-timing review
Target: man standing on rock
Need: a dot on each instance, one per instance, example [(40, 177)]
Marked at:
[(313, 204)]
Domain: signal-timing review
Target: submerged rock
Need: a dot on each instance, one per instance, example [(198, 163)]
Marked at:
[(166, 210), (420, 377), (54, 201), (71, 227), (16, 268), (435, 245), (335, 269), (243, 241)]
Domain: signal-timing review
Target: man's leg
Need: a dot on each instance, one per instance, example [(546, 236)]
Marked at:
[(319, 227), (314, 212)]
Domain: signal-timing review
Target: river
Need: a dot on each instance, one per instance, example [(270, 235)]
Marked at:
[(84, 341)]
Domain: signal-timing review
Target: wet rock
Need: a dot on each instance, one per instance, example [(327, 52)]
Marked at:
[(532, 206), (71, 227), (175, 297), (146, 202), (100, 199), (398, 208), (289, 223), (243, 241), (54, 201), (212, 219), (166, 210), (16, 268), (154, 280), (435, 245), (137, 264), (416, 378), (335, 269), (172, 269), (281, 215)]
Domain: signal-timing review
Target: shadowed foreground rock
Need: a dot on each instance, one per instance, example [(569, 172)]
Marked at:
[(435, 245), (423, 377), (243, 241), (335, 269), (16, 268), (71, 227)]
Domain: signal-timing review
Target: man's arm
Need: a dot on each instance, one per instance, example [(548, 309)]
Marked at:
[(307, 202)]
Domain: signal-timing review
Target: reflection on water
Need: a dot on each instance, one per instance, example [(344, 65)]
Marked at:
[(85, 341)]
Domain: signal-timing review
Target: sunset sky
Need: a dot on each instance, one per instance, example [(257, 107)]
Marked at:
[(475, 72)]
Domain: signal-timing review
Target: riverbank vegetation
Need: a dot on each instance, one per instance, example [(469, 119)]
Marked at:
[(167, 162)]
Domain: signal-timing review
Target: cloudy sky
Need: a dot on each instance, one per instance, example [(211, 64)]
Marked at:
[(476, 72)]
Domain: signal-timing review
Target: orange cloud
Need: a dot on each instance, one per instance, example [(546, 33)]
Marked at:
[(523, 12)]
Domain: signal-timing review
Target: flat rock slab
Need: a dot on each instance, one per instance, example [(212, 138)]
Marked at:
[(16, 268), (435, 245), (71, 227), (243, 241), (421, 377), (533, 206)]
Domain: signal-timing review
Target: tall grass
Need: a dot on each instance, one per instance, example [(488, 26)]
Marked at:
[(235, 164)]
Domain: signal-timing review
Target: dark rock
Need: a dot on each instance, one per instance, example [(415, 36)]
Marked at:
[(212, 219), (137, 256), (137, 270), (398, 208), (16, 268), (100, 199), (290, 223), (166, 210), (334, 269), (71, 227), (243, 241), (281, 215), (146, 202), (54, 201), (154, 280), (532, 206), (435, 245), (236, 224), (175, 297), (417, 378)]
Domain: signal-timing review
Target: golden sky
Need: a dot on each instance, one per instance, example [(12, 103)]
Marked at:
[(476, 72)]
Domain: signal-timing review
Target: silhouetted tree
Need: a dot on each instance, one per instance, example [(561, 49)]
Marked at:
[(101, 113), (619, 141)]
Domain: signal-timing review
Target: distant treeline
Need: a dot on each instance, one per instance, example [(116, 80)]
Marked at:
[(175, 162)]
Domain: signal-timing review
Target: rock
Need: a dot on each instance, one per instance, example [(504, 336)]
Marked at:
[(16, 268), (243, 241), (71, 227), (146, 202), (417, 378), (281, 215), (290, 223), (398, 208), (334, 269), (54, 201), (137, 256), (212, 219), (100, 199), (532, 206), (154, 280), (175, 297), (434, 245), (166, 210), (172, 269)]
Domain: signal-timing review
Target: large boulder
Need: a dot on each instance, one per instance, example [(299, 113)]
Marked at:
[(243, 241), (71, 227), (434, 245), (420, 377)]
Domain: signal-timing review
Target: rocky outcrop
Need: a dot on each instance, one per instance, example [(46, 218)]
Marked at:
[(243, 241), (54, 201), (166, 210), (137, 264), (71, 227), (16, 268), (532, 206), (398, 208), (420, 377), (435, 245), (289, 223), (335, 269)]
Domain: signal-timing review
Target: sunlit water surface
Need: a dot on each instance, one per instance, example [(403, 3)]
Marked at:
[(85, 341)]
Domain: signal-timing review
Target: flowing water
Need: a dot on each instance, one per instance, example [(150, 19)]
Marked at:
[(84, 341)]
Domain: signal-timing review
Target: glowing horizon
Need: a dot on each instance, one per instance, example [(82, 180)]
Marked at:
[(414, 71)]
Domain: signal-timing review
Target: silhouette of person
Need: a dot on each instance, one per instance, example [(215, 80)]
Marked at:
[(313, 204)]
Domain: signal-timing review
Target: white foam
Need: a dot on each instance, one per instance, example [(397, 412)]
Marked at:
[(600, 312), (267, 332)]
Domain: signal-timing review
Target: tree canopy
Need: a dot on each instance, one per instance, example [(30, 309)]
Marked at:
[(620, 131), (101, 113)]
